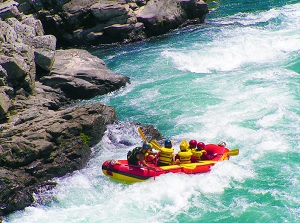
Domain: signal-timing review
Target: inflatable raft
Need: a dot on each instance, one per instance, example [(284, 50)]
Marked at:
[(121, 171)]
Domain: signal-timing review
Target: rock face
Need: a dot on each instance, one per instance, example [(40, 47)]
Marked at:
[(93, 22), (43, 144), (42, 134)]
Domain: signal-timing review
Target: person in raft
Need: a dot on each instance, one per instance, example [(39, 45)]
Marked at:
[(199, 152), (205, 155), (137, 156), (166, 154), (151, 157), (184, 155), (192, 144)]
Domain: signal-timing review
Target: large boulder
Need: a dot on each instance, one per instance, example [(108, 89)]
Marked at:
[(81, 75), (20, 70), (194, 9), (44, 144), (160, 16)]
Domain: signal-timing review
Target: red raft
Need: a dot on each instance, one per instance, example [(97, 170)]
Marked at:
[(121, 171)]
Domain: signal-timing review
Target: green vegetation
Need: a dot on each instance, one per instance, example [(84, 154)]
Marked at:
[(85, 138)]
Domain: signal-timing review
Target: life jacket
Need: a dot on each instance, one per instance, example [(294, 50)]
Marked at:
[(166, 155), (185, 157), (131, 156), (198, 154), (191, 149)]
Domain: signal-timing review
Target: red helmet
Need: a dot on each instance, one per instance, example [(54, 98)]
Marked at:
[(193, 143), (200, 145)]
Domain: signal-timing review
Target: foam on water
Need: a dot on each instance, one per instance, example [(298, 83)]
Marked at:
[(253, 46), (242, 43)]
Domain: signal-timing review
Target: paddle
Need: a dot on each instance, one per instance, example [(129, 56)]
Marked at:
[(142, 134), (233, 152), (190, 166), (155, 145)]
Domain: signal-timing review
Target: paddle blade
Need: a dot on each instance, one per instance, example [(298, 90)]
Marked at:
[(142, 134), (155, 145), (233, 152)]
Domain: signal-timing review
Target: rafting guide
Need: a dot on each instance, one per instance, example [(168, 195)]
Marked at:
[(137, 156)]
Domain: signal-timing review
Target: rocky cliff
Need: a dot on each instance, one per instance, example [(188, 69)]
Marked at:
[(92, 22), (42, 135)]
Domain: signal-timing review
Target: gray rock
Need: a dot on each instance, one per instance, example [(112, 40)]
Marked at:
[(16, 68), (8, 9), (103, 12), (81, 75), (22, 30), (34, 23), (160, 16), (44, 51), (5, 103), (3, 76), (23, 50), (7, 34), (125, 32), (45, 144)]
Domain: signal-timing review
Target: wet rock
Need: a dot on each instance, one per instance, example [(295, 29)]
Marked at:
[(150, 132)]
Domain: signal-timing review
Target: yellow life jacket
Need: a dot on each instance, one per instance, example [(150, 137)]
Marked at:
[(198, 154), (185, 157), (166, 155), (191, 149)]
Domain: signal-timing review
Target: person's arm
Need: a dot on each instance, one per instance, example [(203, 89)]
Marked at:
[(142, 160), (173, 158), (146, 165), (204, 155)]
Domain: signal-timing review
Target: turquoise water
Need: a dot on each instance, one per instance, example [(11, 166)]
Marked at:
[(235, 78)]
